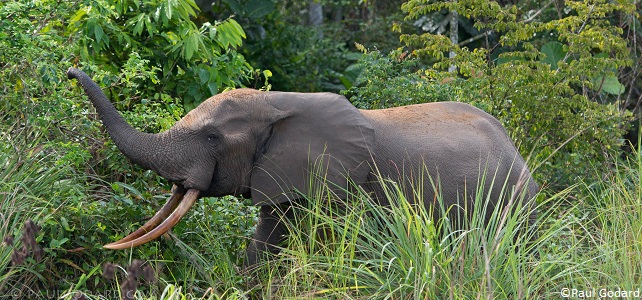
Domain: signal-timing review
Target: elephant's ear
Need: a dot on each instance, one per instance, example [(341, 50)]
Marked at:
[(318, 138)]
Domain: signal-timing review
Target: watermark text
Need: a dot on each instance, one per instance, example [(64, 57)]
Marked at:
[(600, 293)]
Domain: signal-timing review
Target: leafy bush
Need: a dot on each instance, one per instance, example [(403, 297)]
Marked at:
[(59, 169), (188, 62), (389, 80), (557, 100), (300, 57), (285, 48)]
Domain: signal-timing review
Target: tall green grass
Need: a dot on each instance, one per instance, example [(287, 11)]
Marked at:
[(359, 249), (31, 188), (586, 237), (614, 215)]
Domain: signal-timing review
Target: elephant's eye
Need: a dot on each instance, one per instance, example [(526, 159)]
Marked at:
[(211, 137)]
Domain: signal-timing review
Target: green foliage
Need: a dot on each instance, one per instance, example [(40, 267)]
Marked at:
[(226, 220), (61, 170), (32, 187), (552, 84), (546, 80), (188, 61), (308, 58), (387, 81), (358, 249), (618, 234), (284, 48)]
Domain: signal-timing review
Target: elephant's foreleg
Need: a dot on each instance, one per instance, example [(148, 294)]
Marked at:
[(270, 232)]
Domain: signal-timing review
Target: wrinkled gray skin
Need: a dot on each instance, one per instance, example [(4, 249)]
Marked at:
[(263, 145)]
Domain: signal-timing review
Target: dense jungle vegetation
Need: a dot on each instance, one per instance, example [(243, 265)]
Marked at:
[(562, 76)]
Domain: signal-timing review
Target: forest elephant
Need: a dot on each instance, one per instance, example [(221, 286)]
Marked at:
[(264, 145)]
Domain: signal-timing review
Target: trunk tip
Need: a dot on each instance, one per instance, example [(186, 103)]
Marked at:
[(74, 73)]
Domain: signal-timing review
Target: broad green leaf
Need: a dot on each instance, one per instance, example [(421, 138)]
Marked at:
[(223, 37), (149, 25), (99, 33), (79, 15), (130, 188), (191, 45), (351, 74), (188, 106), (213, 73), (54, 244), (65, 225), (203, 75), (238, 29), (125, 200), (230, 33), (346, 82), (213, 87), (157, 14), (189, 8), (138, 28), (168, 10), (610, 85), (554, 52), (89, 28)]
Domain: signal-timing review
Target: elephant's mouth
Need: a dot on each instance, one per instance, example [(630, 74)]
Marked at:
[(175, 208)]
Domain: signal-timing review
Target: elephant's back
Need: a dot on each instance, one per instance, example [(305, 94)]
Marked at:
[(449, 125), (434, 115), (453, 142)]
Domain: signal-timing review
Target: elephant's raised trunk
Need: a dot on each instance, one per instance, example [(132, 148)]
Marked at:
[(132, 143), (143, 149)]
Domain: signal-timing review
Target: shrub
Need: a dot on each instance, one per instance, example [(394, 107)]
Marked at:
[(299, 59), (556, 94), (389, 80), (59, 169), (188, 62)]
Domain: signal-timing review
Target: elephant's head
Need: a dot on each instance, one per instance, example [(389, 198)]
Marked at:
[(242, 142)]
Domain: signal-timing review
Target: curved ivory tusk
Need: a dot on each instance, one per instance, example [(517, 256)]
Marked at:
[(168, 208), (188, 200)]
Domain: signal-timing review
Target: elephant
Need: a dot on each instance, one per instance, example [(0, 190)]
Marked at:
[(265, 145)]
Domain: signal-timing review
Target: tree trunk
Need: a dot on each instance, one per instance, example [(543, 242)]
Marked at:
[(315, 15), (337, 14), (454, 36)]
